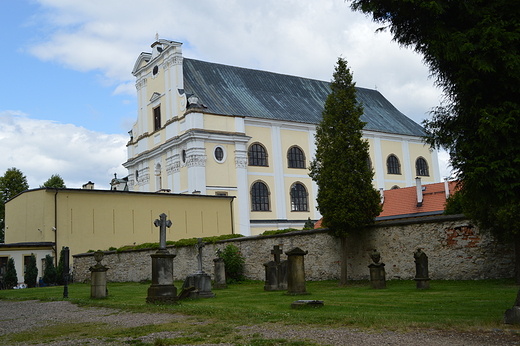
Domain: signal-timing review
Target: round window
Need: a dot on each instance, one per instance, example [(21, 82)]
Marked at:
[(219, 154)]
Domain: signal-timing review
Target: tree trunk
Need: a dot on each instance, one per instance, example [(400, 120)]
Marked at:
[(343, 261), (517, 258)]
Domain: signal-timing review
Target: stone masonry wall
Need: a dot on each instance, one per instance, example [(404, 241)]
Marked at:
[(456, 250)]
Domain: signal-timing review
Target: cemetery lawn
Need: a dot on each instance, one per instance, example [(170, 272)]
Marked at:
[(447, 305)]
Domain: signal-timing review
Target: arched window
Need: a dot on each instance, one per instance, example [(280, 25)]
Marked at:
[(392, 165), (421, 167), (259, 197), (299, 198), (257, 155), (295, 158)]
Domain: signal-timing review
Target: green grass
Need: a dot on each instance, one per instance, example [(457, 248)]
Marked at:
[(447, 305)]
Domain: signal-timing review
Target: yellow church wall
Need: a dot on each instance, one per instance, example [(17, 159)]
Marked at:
[(389, 147), (269, 181), (220, 174), (262, 135), (420, 150), (300, 139), (219, 123), (100, 219), (298, 215)]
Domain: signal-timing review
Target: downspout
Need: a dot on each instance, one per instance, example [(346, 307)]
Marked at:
[(232, 219)]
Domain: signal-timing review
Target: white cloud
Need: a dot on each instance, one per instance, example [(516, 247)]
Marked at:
[(40, 148), (302, 38)]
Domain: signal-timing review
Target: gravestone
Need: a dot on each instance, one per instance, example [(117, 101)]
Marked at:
[(377, 271), (98, 277), (296, 272), (276, 272), (162, 289), (422, 280), (200, 280), (220, 272), (512, 316)]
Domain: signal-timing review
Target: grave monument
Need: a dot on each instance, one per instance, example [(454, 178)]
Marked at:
[(98, 277), (200, 280), (162, 289), (220, 272), (512, 316), (377, 271), (296, 272), (276, 272), (422, 280)]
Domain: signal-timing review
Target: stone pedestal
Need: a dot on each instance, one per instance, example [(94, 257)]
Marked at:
[(422, 280), (98, 277), (220, 274), (98, 283), (377, 275), (296, 272), (202, 284), (162, 289)]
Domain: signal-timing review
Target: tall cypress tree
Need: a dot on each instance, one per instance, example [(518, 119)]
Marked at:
[(31, 272), (346, 197), (49, 274), (11, 277)]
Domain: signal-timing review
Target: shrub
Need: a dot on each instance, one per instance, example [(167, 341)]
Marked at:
[(11, 277), (234, 262), (31, 272), (49, 274)]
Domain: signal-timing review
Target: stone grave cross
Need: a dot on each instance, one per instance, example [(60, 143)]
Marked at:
[(276, 251), (162, 223), (200, 245)]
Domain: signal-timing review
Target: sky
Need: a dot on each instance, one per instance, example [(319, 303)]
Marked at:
[(68, 98)]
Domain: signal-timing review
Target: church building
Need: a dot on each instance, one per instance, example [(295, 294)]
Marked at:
[(212, 129)]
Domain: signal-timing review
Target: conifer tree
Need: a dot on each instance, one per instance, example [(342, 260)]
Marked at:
[(49, 274), (31, 272), (11, 277), (346, 197), (59, 270)]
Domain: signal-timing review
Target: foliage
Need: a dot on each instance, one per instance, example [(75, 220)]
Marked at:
[(50, 273), (11, 183), (279, 231), (31, 272), (346, 197), (454, 204), (11, 277), (472, 47), (60, 280), (54, 181), (234, 263), (178, 243), (308, 224)]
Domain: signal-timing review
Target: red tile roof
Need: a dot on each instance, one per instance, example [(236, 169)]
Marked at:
[(403, 202)]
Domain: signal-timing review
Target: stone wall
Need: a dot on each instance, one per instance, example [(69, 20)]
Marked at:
[(456, 250)]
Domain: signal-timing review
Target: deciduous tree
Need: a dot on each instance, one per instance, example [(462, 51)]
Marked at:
[(11, 183), (473, 49), (346, 197), (54, 181)]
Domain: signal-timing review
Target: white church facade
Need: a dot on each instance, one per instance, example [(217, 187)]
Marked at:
[(206, 128)]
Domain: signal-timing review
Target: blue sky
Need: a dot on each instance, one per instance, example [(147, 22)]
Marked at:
[(67, 97)]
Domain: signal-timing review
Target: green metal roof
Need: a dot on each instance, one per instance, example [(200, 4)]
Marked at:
[(236, 91)]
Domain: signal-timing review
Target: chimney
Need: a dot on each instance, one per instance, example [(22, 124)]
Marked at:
[(447, 188), (382, 195), (419, 191)]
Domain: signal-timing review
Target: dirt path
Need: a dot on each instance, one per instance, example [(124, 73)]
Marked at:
[(22, 316)]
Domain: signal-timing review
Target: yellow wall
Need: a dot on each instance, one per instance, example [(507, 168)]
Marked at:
[(220, 174), (99, 219), (219, 123)]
